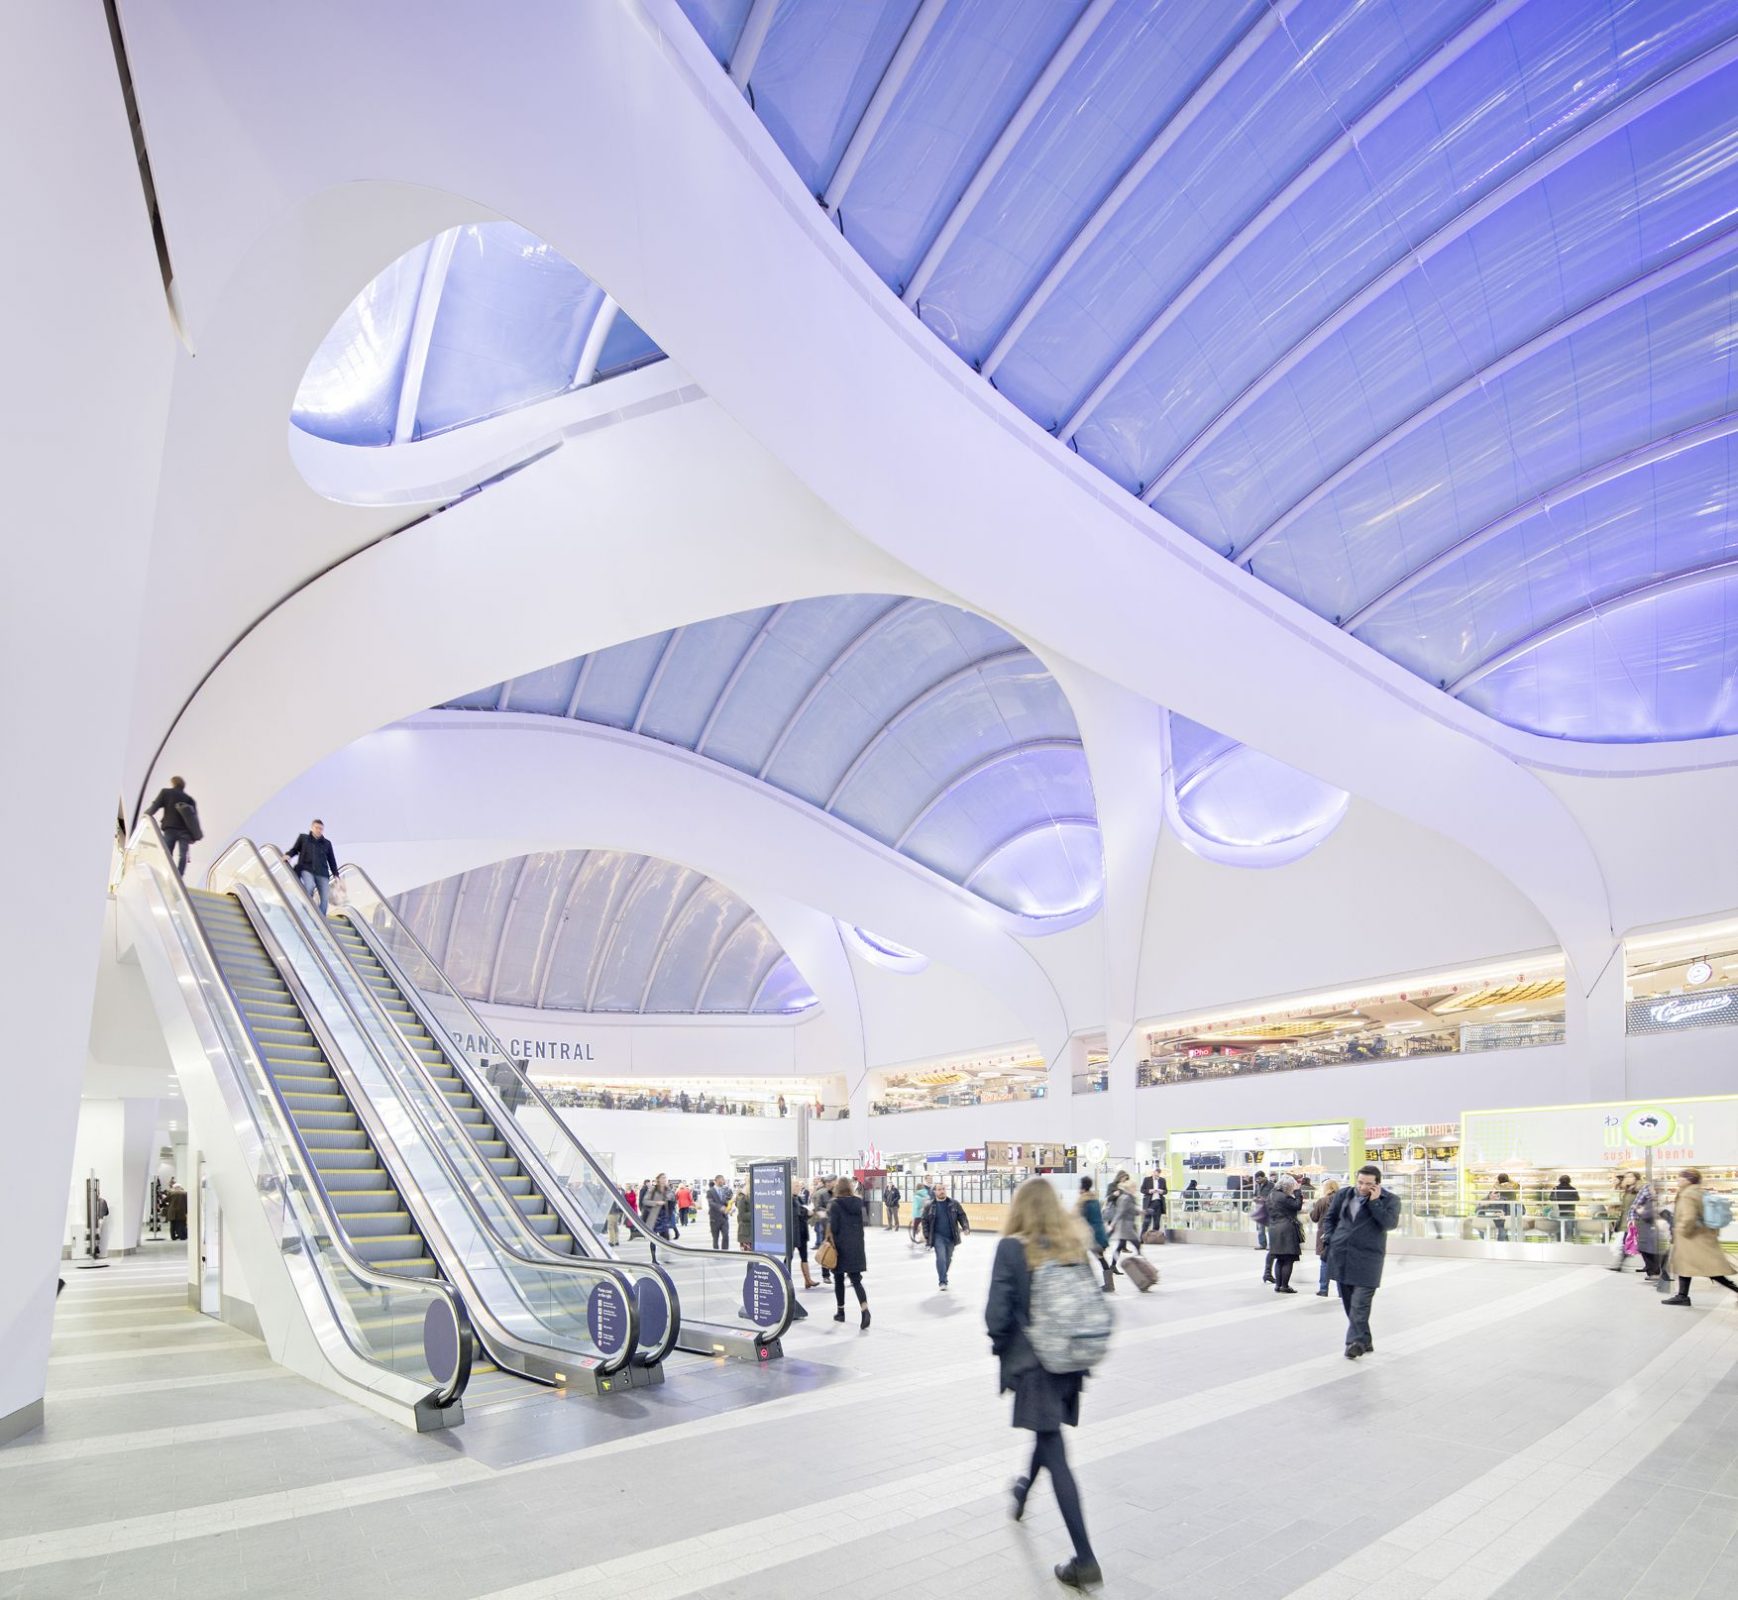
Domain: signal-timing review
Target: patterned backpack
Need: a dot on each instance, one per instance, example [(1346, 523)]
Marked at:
[(1070, 1322)]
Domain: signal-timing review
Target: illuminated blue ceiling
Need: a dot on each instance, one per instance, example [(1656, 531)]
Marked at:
[(1421, 310), (602, 930), (474, 322), (1243, 808), (929, 729)]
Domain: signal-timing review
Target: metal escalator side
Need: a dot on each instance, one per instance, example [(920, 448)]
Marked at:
[(732, 1304), (397, 1341), (540, 1204), (540, 1314)]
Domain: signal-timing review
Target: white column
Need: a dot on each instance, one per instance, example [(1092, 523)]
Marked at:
[(116, 1141), (1594, 1017), (90, 357)]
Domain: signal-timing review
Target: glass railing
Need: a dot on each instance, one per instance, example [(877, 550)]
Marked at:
[(370, 1323), (714, 1289), (1495, 1222), (535, 1313)]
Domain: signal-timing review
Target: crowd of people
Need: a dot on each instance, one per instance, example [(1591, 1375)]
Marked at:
[(664, 1099)]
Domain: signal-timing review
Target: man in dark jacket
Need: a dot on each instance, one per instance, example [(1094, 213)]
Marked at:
[(890, 1204), (944, 1225), (180, 821), (316, 863), (1355, 1240), (718, 1212)]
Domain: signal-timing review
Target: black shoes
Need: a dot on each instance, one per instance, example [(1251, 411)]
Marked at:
[(1353, 1351), (839, 1315), (1676, 1300), (865, 1322), (1078, 1574), (1321, 1294), (1283, 1288), (1022, 1487)]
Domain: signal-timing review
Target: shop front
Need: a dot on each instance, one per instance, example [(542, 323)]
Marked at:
[(1214, 1171)]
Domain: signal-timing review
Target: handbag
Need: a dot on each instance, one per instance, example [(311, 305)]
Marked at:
[(828, 1254)]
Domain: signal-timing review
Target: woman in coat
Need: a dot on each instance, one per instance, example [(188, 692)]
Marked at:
[(1650, 1229), (1696, 1248), (1092, 1214), (1039, 1232), (744, 1218), (1318, 1210), (845, 1229), (1620, 1208), (1125, 1219), (1284, 1232)]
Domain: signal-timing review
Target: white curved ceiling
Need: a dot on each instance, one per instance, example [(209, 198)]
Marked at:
[(603, 931), (1421, 313)]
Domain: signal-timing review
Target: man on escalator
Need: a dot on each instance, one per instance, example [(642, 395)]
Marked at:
[(180, 812), (316, 863)]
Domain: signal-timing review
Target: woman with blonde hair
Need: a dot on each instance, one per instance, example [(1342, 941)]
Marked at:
[(1330, 1186), (1040, 1233)]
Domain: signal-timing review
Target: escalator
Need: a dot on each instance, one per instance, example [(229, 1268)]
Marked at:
[(414, 1274), (732, 1305), (370, 1209)]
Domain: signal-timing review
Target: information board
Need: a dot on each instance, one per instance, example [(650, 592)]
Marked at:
[(606, 1313), (763, 1295), (769, 1194)]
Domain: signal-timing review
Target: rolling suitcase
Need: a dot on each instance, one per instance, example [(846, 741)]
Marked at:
[(1141, 1272)]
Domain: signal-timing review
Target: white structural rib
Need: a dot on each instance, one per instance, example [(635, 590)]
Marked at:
[(1025, 833), (1648, 455), (615, 915), (1013, 752), (1079, 36), (453, 922), (546, 957), (596, 336), (1643, 284), (657, 676), (672, 919), (750, 651), (506, 923), (755, 27), (428, 304), (1569, 621), (1200, 97), (916, 704), (911, 44), (1423, 74), (765, 978), (1456, 227), (898, 609), (724, 944), (579, 686)]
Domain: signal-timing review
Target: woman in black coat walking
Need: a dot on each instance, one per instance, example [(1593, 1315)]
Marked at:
[(1039, 1232), (1284, 1232), (845, 1229)]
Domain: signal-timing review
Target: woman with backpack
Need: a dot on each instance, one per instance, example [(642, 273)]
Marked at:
[(1696, 1248), (1044, 1312), (1092, 1214), (850, 1257)]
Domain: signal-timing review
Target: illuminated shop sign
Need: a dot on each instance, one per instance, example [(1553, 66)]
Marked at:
[(1711, 1008)]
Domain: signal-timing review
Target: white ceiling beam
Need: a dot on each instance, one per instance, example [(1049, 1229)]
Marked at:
[(545, 958), (755, 27), (506, 923), (905, 58), (428, 304), (1090, 20)]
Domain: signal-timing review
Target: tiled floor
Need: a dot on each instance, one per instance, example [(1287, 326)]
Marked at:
[(1522, 1433)]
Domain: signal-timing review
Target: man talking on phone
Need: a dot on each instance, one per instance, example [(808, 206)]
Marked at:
[(1355, 1240)]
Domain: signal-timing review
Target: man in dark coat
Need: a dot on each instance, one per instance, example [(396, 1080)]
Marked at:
[(180, 821), (944, 1225), (718, 1212), (1355, 1232), (177, 1211), (316, 863)]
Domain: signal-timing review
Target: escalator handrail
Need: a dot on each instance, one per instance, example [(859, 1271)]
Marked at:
[(387, 1147), (506, 1124), (442, 1395), (629, 1213)]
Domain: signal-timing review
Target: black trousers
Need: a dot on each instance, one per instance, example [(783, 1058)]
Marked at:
[(720, 1233), (1050, 1455), (1684, 1285), (856, 1283), (1282, 1266)]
